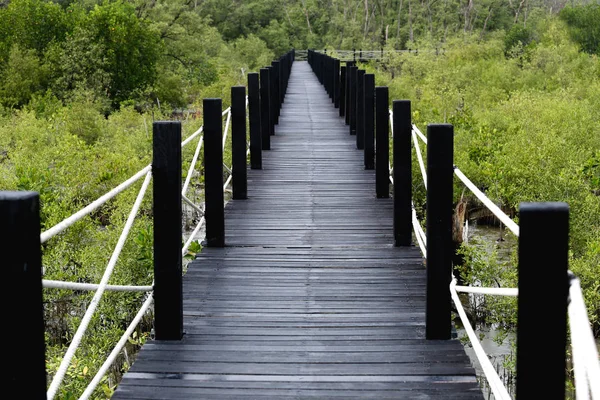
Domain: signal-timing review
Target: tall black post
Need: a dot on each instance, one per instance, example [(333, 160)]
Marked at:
[(254, 119), (24, 312), (440, 153), (336, 83), (343, 91), (543, 263), (273, 97), (353, 93), (382, 152), (265, 109), (360, 109), (369, 129), (277, 88), (213, 173), (402, 173), (166, 173), (239, 178), (349, 65)]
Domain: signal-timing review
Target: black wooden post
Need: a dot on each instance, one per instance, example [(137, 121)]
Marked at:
[(336, 83), (382, 152), (343, 91), (402, 173), (24, 313), (274, 98), (349, 65), (276, 88), (213, 173), (440, 152), (166, 173), (239, 179), (265, 109), (369, 130), (543, 263), (360, 109), (254, 117), (353, 93)]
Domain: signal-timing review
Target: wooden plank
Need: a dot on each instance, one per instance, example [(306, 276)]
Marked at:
[(310, 299)]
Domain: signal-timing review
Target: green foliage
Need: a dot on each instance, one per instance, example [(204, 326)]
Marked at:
[(584, 24), (525, 128), (516, 39), (22, 77)]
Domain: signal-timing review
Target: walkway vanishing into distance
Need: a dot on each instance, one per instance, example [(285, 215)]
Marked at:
[(309, 299)]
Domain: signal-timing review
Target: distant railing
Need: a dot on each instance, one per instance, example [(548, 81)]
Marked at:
[(547, 290), (19, 213), (366, 55)]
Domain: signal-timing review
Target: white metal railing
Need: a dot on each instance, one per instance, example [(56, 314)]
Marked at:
[(103, 286), (586, 364)]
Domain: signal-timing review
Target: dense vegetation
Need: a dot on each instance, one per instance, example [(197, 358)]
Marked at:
[(82, 80)]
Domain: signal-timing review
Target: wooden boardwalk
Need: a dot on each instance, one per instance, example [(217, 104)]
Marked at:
[(309, 300)]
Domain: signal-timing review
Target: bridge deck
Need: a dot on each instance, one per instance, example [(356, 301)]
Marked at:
[(309, 299)]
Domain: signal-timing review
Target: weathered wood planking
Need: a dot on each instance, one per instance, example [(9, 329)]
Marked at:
[(310, 300)]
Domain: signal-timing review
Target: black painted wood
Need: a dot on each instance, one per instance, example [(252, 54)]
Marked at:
[(382, 143), (353, 96), (166, 174), (310, 300), (360, 109), (349, 64), (544, 241), (276, 83), (273, 98), (342, 90), (254, 120), (369, 132), (265, 109), (402, 173), (22, 294), (440, 174), (213, 173), (238, 143)]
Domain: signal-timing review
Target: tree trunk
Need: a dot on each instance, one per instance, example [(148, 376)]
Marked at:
[(486, 22), (398, 26), (410, 27)]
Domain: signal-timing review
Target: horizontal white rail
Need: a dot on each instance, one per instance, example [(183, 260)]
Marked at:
[(61, 226), (488, 290), (192, 136), (51, 284), (510, 224)]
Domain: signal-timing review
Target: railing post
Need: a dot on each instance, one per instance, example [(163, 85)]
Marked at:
[(440, 172), (254, 117), (336, 83), (353, 93), (369, 122), (382, 152), (265, 109), (543, 299), (342, 102), (349, 65), (275, 92), (166, 174), (213, 173), (239, 179), (402, 173), (360, 109), (22, 269)]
